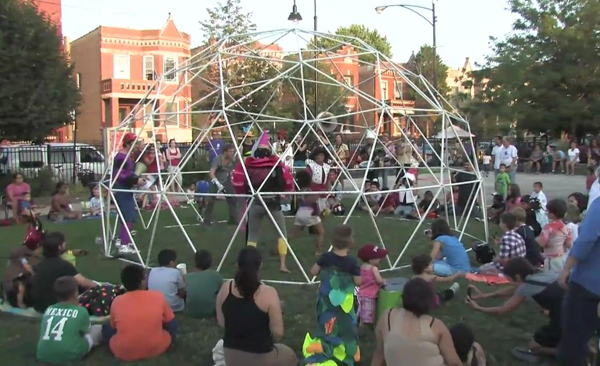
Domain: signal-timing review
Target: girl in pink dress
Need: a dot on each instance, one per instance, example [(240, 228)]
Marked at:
[(371, 281)]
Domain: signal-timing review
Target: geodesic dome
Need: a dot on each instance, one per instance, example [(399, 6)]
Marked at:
[(246, 84)]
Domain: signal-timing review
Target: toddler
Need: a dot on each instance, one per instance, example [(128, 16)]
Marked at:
[(371, 281), (556, 238), (95, 204), (307, 214), (539, 194), (339, 259), (66, 333), (26, 208), (168, 280), (502, 181), (422, 267), (486, 164)]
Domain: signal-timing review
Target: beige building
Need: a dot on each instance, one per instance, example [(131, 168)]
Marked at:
[(458, 80)]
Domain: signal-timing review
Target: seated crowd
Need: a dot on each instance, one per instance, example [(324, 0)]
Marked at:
[(541, 243)]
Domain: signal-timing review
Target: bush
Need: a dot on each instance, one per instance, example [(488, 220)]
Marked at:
[(43, 184)]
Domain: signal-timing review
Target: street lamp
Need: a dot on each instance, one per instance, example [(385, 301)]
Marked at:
[(432, 22), (294, 15)]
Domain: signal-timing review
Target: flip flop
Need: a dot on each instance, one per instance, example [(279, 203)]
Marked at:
[(525, 354)]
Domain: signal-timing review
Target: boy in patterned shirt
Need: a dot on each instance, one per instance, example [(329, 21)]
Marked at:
[(66, 334), (511, 245)]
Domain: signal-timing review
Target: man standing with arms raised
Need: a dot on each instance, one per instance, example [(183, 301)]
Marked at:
[(510, 158)]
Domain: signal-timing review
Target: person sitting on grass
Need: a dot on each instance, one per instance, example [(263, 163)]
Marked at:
[(556, 238), (27, 210), (95, 202), (142, 325), (372, 200), (534, 256), (50, 269), (250, 312), (60, 208), (202, 287), (511, 245), (540, 286), (308, 211), (536, 217), (513, 199), (387, 203), (496, 209), (422, 268), (371, 282), (424, 205), (406, 203), (18, 275), (448, 253), (66, 334), (168, 280), (409, 336), (470, 352), (339, 259)]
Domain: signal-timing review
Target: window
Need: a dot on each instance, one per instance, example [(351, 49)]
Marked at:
[(122, 67), (149, 67), (171, 113), (31, 158), (348, 80), (397, 90), (170, 64), (384, 88)]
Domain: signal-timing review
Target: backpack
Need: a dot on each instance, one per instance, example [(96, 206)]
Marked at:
[(484, 253)]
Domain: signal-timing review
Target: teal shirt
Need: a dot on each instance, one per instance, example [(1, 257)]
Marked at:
[(202, 289), (502, 183), (62, 335)]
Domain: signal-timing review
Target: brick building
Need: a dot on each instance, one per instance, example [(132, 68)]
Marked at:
[(117, 68)]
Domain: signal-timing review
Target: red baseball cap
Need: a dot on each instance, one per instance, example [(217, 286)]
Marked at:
[(371, 251), (129, 137)]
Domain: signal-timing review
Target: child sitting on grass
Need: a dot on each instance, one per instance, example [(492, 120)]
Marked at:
[(202, 287), (308, 211), (95, 204), (342, 240), (496, 209), (533, 255), (168, 279), (422, 267), (18, 275), (26, 208), (387, 203), (556, 238), (371, 281), (66, 334), (424, 205)]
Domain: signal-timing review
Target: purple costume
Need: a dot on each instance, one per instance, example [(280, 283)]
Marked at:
[(125, 200)]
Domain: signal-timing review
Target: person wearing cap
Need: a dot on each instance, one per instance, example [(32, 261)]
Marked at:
[(406, 204), (125, 179), (371, 281), (319, 171), (283, 149), (267, 173)]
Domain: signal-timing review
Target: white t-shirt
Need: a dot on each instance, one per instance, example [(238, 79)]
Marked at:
[(573, 154), (574, 230), (486, 159), (508, 155), (497, 153), (541, 196)]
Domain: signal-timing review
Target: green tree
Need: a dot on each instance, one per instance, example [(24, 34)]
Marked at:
[(370, 36), (226, 19), (544, 75), (38, 93)]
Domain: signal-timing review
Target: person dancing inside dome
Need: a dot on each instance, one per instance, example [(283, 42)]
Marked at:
[(264, 167), (126, 179), (319, 171)]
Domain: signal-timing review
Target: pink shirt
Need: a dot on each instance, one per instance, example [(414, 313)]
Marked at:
[(15, 191), (369, 287), (556, 239), (510, 205)]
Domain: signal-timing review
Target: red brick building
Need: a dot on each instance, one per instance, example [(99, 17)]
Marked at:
[(118, 67)]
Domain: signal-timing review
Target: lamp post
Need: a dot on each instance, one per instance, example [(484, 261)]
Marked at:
[(432, 22), (296, 17)]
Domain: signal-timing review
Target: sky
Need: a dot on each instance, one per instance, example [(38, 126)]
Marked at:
[(463, 28)]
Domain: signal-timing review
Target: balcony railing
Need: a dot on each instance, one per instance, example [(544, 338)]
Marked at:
[(125, 86)]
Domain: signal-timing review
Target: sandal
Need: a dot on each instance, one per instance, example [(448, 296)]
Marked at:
[(525, 354)]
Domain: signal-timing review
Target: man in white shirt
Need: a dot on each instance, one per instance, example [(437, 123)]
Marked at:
[(497, 155), (510, 158)]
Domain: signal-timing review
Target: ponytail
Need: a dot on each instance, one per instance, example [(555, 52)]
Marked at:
[(246, 278)]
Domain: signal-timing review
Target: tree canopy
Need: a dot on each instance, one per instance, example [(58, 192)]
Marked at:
[(370, 36), (39, 93), (544, 75), (226, 19)]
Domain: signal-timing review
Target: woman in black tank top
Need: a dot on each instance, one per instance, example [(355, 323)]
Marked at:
[(250, 331)]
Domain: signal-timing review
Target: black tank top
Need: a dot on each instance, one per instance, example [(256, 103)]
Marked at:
[(246, 325)]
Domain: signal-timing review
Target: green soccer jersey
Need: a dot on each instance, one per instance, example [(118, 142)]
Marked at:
[(62, 335), (502, 183)]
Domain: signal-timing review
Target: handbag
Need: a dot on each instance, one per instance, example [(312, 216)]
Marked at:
[(484, 253)]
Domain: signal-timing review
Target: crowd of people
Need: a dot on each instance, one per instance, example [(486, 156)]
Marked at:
[(548, 251)]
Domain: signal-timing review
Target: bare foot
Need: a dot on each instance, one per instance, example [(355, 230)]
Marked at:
[(284, 270)]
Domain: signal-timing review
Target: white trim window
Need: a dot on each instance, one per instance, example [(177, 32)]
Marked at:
[(398, 90), (172, 107), (384, 89), (169, 64), (122, 67), (149, 71)]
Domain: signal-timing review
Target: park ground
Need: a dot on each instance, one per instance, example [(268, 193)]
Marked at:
[(18, 336)]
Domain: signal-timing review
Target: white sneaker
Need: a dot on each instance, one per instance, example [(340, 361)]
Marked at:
[(133, 232), (455, 287), (132, 249), (123, 249)]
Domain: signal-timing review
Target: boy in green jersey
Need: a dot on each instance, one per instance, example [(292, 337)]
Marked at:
[(502, 181), (66, 334)]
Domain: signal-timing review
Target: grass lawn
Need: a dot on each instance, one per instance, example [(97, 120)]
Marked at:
[(18, 336)]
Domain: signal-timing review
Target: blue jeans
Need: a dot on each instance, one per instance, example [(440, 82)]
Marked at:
[(443, 269), (108, 332), (512, 173), (299, 163), (579, 322), (404, 210)]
